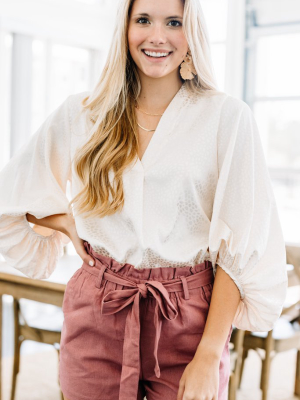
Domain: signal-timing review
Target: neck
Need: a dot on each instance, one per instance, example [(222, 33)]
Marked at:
[(156, 93)]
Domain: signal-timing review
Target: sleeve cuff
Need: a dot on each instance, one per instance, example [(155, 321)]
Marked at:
[(27, 250)]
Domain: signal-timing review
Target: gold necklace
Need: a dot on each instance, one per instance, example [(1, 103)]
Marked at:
[(146, 112), (148, 130)]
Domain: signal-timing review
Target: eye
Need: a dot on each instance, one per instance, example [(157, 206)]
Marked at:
[(141, 19), (174, 20)]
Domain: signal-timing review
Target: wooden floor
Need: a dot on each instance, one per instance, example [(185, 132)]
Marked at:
[(38, 377)]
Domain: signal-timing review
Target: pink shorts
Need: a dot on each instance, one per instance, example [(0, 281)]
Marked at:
[(130, 333)]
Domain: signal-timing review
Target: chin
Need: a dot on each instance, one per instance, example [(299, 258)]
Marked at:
[(155, 75)]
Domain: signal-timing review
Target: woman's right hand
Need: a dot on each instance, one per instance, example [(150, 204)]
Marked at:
[(64, 223)]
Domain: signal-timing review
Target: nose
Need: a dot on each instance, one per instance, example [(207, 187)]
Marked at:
[(157, 34)]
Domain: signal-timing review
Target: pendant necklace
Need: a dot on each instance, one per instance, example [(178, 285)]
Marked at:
[(147, 130)]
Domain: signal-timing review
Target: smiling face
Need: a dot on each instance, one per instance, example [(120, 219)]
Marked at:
[(155, 37)]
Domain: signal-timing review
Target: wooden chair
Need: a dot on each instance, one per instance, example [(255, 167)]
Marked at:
[(236, 352), (293, 257), (23, 332), (283, 337)]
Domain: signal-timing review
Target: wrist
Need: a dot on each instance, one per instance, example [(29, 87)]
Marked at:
[(208, 351)]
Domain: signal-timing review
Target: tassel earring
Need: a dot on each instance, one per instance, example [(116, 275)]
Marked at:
[(187, 68)]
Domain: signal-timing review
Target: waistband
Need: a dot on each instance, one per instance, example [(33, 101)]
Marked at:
[(109, 269), (140, 274)]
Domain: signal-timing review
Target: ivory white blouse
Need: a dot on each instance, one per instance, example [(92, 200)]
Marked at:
[(202, 191)]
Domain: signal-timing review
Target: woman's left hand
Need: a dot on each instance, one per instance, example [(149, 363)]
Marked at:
[(200, 379)]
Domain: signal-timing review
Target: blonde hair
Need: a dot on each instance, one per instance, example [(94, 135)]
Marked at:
[(113, 142)]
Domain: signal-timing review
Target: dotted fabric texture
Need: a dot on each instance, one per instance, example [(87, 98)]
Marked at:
[(202, 191)]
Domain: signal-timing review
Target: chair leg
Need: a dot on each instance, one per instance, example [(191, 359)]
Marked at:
[(232, 387), (61, 393), (1, 327), (297, 377), (244, 356), (17, 348), (266, 365)]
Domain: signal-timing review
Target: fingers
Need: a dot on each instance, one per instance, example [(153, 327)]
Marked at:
[(180, 390), (78, 244), (80, 249)]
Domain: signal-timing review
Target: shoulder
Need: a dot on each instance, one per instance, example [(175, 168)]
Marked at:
[(228, 104), (79, 96), (234, 105), (76, 111), (217, 103), (230, 109), (79, 127), (236, 122), (75, 101)]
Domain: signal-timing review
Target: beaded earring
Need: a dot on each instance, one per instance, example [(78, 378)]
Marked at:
[(187, 68)]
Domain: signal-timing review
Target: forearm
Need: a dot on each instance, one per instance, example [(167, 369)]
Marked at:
[(224, 302), (58, 222)]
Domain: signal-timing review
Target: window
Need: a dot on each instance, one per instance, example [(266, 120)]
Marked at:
[(6, 42), (273, 91), (58, 70), (215, 13)]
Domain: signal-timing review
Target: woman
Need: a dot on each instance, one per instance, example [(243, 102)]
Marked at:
[(169, 183)]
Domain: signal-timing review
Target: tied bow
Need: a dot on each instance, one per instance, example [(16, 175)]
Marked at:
[(115, 301)]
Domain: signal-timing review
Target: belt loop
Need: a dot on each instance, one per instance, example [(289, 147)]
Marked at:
[(100, 276), (185, 287)]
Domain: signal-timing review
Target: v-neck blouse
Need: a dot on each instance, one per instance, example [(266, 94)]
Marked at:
[(202, 191)]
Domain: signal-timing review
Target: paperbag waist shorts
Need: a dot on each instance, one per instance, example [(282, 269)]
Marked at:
[(130, 333)]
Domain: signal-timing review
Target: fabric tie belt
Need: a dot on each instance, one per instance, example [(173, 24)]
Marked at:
[(116, 300)]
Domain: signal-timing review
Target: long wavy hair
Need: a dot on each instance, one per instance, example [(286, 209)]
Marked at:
[(113, 141)]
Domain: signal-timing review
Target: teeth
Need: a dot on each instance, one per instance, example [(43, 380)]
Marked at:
[(153, 54)]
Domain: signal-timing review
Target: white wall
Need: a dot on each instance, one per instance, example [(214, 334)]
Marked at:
[(68, 21)]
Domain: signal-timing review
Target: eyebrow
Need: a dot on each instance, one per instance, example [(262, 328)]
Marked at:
[(147, 15)]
